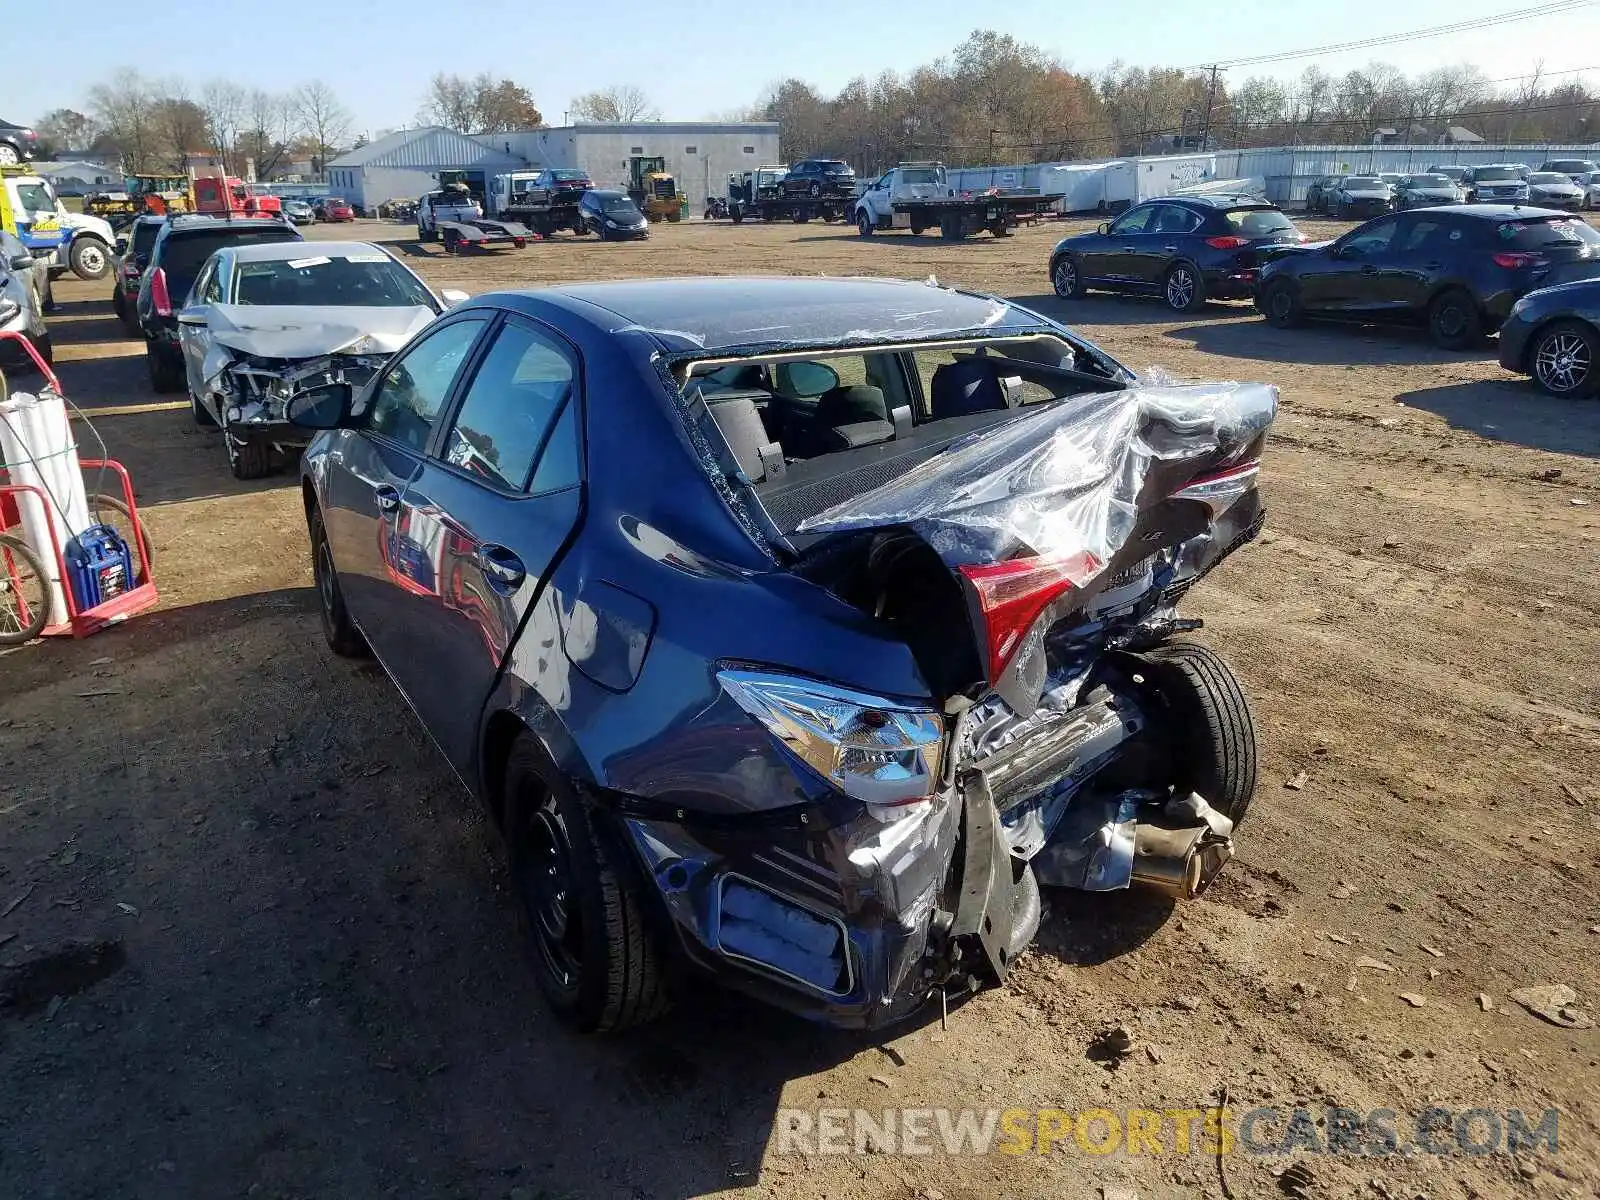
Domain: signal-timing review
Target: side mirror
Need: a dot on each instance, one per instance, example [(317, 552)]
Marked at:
[(122, 245), (1103, 228), (453, 297), (21, 262), (142, 261), (325, 407), (10, 310), (194, 316)]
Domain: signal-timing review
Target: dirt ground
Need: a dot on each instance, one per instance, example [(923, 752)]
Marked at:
[(256, 941)]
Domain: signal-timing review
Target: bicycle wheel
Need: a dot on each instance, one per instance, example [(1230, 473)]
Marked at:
[(24, 593), (104, 500)]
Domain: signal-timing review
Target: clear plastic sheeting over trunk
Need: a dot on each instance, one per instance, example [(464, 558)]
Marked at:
[(1062, 483)]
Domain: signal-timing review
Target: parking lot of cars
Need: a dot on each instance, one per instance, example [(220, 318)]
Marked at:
[(287, 884)]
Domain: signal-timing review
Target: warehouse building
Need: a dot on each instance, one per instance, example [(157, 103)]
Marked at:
[(406, 164), (700, 154)]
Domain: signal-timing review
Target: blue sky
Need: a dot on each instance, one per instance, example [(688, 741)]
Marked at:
[(697, 60)]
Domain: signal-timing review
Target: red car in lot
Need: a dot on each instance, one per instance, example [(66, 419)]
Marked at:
[(334, 209)]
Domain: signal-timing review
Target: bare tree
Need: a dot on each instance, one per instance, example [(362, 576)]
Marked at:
[(267, 130), (223, 103), (615, 105), (324, 120), (449, 102), (125, 108), (182, 125)]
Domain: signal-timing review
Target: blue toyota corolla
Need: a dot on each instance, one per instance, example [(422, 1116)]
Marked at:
[(794, 629)]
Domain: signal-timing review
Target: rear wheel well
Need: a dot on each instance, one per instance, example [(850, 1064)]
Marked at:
[(499, 736), (308, 496)]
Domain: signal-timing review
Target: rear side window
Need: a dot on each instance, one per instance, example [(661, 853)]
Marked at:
[(1542, 235), (511, 412), (144, 236), (1258, 222)]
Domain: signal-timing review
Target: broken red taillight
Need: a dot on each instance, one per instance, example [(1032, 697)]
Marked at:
[(1011, 595)]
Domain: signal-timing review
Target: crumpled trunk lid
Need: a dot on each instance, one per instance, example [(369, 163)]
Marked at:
[(1039, 511)]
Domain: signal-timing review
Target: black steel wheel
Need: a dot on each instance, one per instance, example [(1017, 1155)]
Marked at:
[(1454, 321), (1280, 304), (1562, 359), (588, 941), (344, 639)]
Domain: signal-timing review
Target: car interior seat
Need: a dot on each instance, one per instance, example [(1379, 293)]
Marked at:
[(852, 416), (963, 387), (739, 421)]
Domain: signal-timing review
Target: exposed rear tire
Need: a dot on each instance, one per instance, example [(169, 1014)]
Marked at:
[(1212, 735), (592, 951), (344, 639), (1454, 321)]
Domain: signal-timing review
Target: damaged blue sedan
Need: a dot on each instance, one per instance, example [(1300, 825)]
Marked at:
[(794, 631)]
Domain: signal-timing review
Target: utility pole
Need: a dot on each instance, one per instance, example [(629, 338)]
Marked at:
[(1211, 99)]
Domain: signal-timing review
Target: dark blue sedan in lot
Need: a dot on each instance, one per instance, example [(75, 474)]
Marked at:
[(794, 630), (1185, 249), (1553, 334)]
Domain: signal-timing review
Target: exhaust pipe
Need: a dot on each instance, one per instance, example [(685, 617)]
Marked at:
[(1180, 863)]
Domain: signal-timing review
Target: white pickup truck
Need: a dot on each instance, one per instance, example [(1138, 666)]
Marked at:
[(917, 196)]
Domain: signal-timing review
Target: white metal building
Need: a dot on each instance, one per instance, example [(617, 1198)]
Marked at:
[(699, 154), (406, 164)]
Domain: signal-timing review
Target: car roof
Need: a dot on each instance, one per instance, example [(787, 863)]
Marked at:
[(726, 313), (605, 192), (1216, 200), (276, 251), (1495, 212)]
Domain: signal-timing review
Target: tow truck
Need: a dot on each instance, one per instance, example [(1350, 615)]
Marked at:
[(758, 195), (917, 196), (543, 206), (453, 217)]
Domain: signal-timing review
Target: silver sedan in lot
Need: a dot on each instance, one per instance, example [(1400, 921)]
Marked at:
[(23, 280), (1551, 189)]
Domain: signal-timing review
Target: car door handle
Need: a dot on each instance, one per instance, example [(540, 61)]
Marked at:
[(1369, 269), (1434, 266), (1130, 249), (388, 498), (1170, 249), (502, 568)]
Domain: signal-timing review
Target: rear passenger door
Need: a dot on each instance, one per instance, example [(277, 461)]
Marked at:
[(1165, 242), (495, 500)]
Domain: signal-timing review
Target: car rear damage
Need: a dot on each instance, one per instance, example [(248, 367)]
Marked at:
[(1034, 569)]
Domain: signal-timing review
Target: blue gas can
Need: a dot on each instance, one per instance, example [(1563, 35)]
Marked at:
[(99, 566)]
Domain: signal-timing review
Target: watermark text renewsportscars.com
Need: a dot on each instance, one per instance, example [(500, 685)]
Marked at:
[(1163, 1131)]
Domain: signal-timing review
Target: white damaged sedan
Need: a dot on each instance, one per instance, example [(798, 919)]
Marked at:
[(265, 321)]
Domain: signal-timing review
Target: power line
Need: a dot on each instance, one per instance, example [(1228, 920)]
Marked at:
[(1540, 10)]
